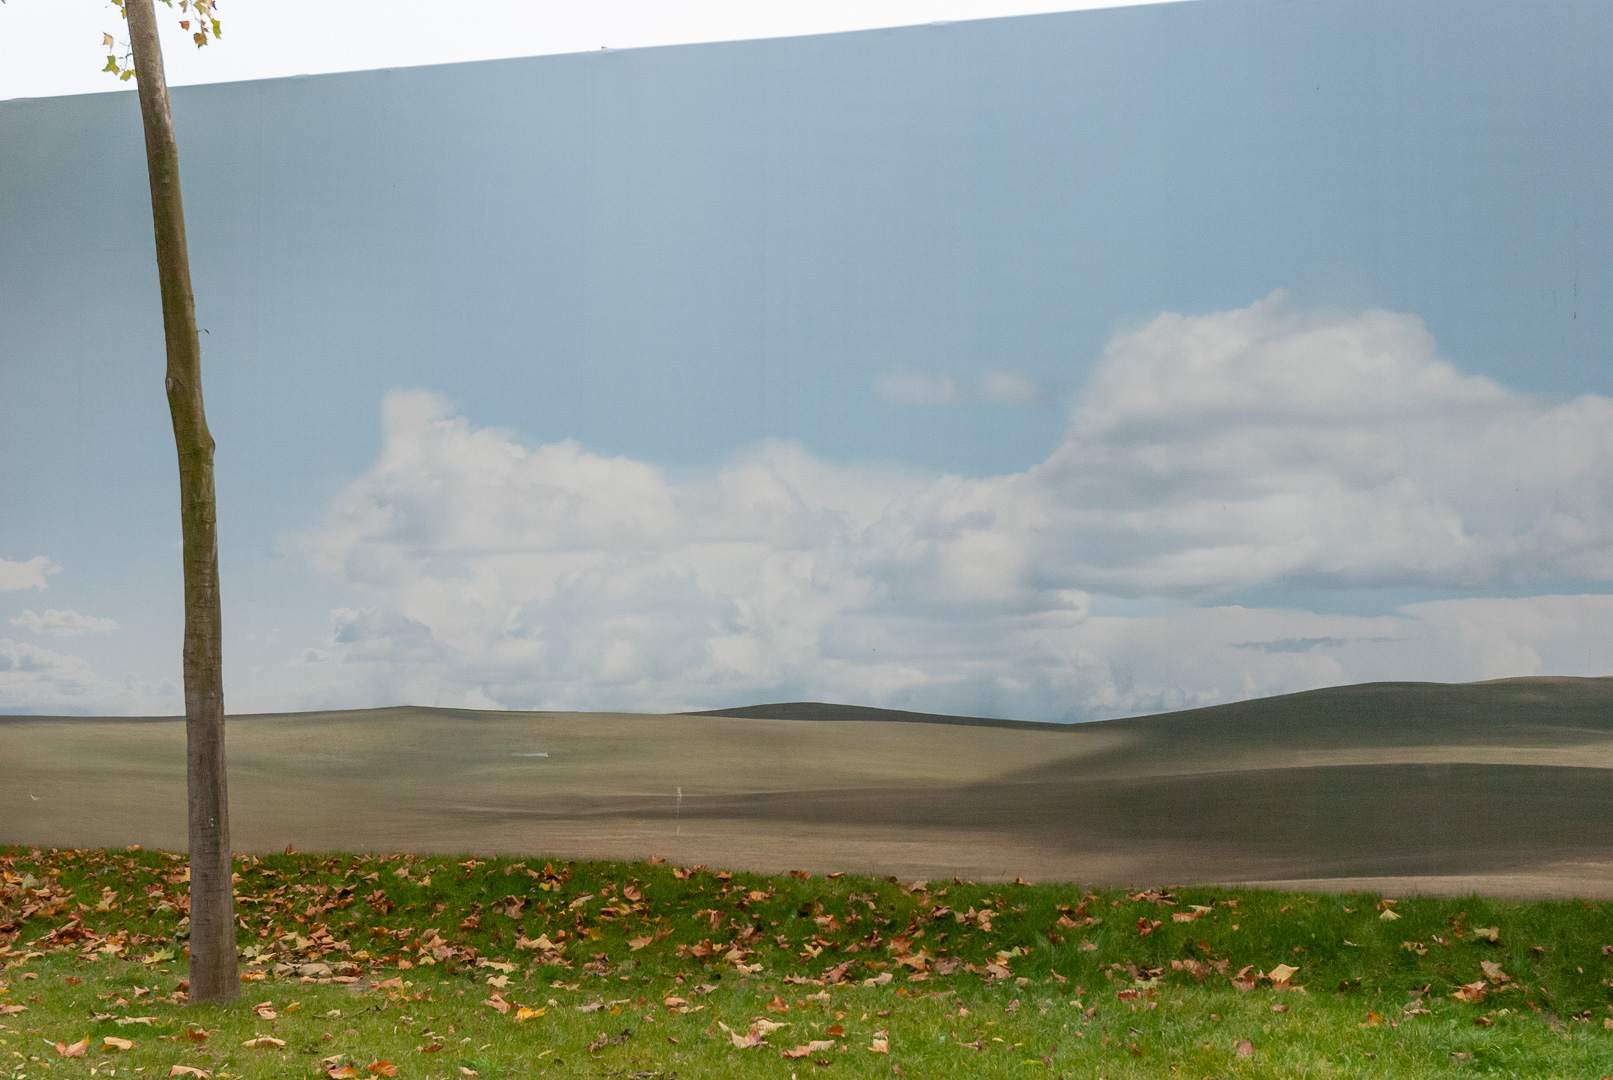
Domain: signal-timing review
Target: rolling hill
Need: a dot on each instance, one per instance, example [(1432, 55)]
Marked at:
[(1503, 786)]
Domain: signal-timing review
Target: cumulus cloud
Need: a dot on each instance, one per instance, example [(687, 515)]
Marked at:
[(26, 575), (64, 623), (1206, 454)]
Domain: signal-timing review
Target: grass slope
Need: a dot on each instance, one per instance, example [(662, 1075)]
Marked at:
[(1491, 785), (452, 967)]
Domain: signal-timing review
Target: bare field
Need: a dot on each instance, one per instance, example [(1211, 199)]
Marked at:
[(1502, 788)]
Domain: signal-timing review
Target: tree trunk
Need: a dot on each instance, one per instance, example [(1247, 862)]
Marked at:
[(214, 975)]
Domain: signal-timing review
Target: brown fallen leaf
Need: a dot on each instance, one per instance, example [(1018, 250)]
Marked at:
[(265, 1010), (341, 1072), (1473, 992), (635, 944), (1282, 976), (1493, 972), (497, 1002), (8, 1010), (777, 1005), (1373, 1019), (186, 1070), (1244, 1048), (264, 1041), (383, 1067), (73, 1049), (879, 1046)]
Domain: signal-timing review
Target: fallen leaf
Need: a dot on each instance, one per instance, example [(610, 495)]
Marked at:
[(880, 1046), (265, 1009), (523, 1013), (1282, 975), (1243, 1048), (8, 1010), (265, 1041), (1494, 973), (635, 944), (383, 1067), (112, 1042), (73, 1049), (1473, 992), (186, 1070), (1373, 1019), (123, 1021), (777, 1005), (341, 1072)]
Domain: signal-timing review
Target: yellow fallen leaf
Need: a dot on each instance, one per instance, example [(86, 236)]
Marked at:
[(112, 1042), (265, 1041), (186, 1070), (523, 1013)]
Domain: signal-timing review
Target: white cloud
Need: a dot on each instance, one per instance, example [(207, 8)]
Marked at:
[(36, 680), (1252, 447), (26, 575), (64, 623)]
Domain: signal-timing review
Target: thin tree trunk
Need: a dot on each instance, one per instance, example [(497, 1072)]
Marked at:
[(214, 975)]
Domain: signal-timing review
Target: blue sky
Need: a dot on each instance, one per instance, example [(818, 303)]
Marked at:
[(1057, 367)]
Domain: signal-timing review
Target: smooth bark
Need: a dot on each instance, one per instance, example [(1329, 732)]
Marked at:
[(214, 975)]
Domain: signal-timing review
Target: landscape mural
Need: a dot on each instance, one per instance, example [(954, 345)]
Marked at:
[(1148, 449)]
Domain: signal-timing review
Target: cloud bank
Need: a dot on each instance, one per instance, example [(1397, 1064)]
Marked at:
[(58, 623), (1257, 447)]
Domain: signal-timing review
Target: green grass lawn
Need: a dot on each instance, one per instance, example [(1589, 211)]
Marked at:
[(358, 965)]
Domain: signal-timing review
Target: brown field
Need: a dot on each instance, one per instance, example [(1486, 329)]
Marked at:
[(1499, 787)]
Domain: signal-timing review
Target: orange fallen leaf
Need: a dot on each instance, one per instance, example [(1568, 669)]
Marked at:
[(1473, 992), (383, 1067), (777, 1005), (73, 1049), (341, 1072), (1373, 1019)]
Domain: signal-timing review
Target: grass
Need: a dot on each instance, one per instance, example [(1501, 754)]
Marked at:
[(423, 965)]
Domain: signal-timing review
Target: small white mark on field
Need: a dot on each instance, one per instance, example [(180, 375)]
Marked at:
[(540, 753)]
